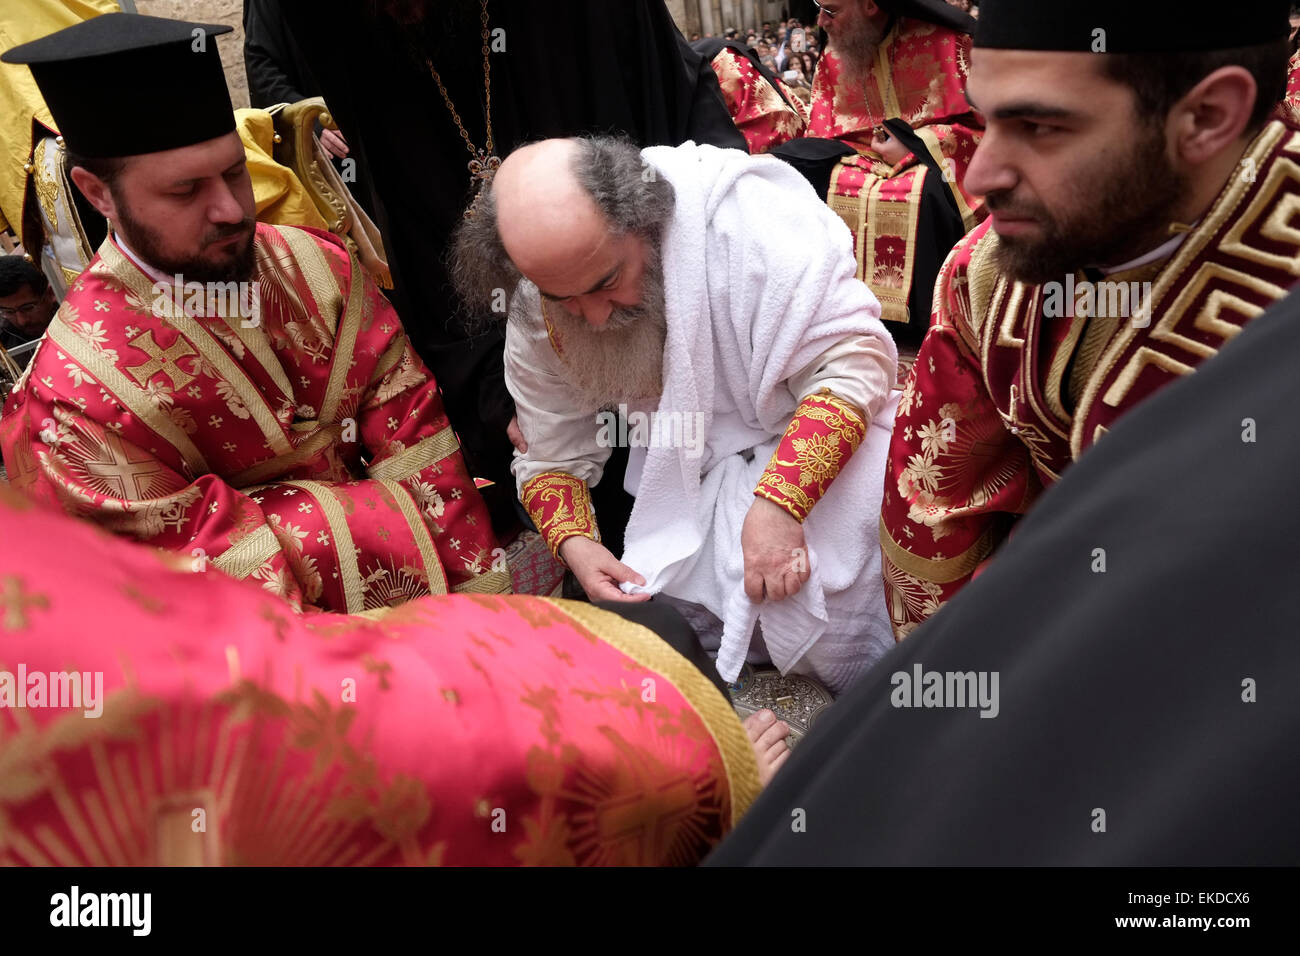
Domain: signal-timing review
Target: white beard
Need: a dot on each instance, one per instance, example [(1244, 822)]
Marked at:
[(619, 363), (623, 361)]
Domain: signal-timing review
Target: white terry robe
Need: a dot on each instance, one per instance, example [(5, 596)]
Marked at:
[(759, 290)]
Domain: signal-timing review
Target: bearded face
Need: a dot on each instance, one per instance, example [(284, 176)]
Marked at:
[(855, 42), (216, 259), (622, 361), (1116, 209)]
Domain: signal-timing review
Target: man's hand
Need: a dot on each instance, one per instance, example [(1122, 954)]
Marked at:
[(598, 571), (776, 557), (516, 435), (890, 149), (332, 141)]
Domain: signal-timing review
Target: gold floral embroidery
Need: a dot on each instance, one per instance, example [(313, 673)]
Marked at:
[(823, 434), (560, 506)]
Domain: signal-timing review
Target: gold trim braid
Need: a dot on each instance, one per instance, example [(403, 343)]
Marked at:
[(943, 571), (311, 446), (420, 531), (345, 341), (651, 651), (418, 457), (345, 548), (491, 582), (248, 554)]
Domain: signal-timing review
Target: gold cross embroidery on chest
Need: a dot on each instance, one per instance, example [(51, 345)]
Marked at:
[(162, 360)]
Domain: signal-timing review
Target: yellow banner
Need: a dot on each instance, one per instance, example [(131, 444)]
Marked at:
[(22, 21)]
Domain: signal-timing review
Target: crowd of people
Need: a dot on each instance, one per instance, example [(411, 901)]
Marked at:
[(791, 48), (770, 355)]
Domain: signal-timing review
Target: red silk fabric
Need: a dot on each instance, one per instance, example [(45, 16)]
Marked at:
[(309, 451), (461, 729)]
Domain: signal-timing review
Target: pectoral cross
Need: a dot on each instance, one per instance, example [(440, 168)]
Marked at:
[(483, 167), (481, 170)]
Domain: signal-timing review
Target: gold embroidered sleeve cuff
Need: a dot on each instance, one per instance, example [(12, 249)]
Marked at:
[(560, 506), (824, 433)]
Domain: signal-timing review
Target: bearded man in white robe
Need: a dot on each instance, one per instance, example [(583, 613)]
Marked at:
[(705, 296)]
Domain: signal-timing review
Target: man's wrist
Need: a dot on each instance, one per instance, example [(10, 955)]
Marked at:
[(564, 551)]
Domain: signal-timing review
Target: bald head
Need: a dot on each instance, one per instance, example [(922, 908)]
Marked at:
[(579, 218), (548, 222)]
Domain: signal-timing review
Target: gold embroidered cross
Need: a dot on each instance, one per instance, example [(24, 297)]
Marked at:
[(161, 360), (118, 472), (15, 599), (624, 819)]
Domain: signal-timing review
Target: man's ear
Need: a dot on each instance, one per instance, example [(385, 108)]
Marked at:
[(1213, 115), (96, 192)]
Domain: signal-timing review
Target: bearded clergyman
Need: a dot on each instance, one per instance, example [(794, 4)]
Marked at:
[(238, 392), (752, 378), (1141, 214), (891, 89)]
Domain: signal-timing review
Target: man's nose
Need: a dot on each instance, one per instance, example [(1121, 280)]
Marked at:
[(596, 311), (989, 170), (225, 206)]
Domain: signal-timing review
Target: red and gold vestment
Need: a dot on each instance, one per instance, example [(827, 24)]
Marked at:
[(766, 115), (1006, 393), (920, 77), (304, 446), (1289, 108), (468, 729)]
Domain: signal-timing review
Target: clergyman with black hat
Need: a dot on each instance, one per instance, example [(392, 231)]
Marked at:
[(234, 391), (1139, 198), (892, 87)]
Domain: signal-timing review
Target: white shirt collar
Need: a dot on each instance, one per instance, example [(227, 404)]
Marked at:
[(147, 269), (1162, 251)]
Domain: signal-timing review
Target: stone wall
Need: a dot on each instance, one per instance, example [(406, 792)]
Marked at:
[(229, 12), (715, 16)]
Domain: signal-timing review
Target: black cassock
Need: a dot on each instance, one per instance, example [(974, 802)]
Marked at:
[(1126, 690), (567, 67)]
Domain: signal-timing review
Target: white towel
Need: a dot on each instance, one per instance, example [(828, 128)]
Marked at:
[(746, 312)]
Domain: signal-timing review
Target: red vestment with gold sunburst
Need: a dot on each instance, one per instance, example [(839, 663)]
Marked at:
[(767, 115), (461, 729)]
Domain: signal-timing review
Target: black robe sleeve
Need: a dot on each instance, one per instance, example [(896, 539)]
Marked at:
[(269, 60)]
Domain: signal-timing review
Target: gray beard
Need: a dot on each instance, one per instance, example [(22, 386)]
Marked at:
[(857, 52), (622, 362)]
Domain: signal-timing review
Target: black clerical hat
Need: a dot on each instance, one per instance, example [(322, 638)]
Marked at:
[(123, 84), (1126, 26), (934, 11)]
